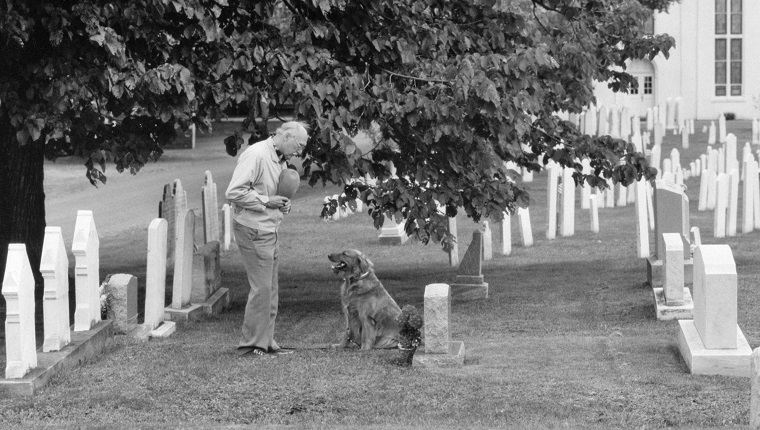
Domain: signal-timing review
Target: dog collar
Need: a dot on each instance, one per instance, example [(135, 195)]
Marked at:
[(360, 277)]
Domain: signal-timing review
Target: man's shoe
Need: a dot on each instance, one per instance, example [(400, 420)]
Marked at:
[(281, 351), (255, 352)]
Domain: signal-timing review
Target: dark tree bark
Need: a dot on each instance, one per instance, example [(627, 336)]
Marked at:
[(22, 198)]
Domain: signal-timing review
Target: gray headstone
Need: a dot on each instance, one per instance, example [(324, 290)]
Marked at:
[(206, 272), (122, 290)]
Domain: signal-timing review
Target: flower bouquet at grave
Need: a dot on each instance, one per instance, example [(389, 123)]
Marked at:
[(410, 335), (105, 303)]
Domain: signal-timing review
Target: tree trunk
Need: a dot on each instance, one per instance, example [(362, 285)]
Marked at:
[(22, 199)]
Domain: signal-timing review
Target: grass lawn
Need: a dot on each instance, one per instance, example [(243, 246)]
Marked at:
[(567, 339)]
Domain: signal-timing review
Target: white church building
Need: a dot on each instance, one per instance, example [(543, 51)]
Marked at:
[(714, 66)]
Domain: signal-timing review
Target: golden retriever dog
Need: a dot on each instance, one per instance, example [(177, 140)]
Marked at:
[(369, 310)]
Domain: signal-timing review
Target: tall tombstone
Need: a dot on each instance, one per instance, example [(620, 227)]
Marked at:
[(227, 223), (650, 119), (721, 206), (594, 208), (667, 166), (526, 232), (18, 291), (711, 134), (392, 232), (86, 250), (614, 122), (748, 196), (659, 133), (703, 188), (54, 267), (567, 227), (591, 123), (713, 160), (642, 225), (622, 195), (167, 211), (585, 187), (469, 280), (670, 114), (485, 229), (636, 125), (733, 203), (675, 158), (684, 138), (662, 115), (437, 302), (506, 234), (756, 194), (722, 128), (712, 343), (671, 208), (625, 122), (454, 250), (210, 209), (712, 189), (604, 128), (183, 264), (155, 274), (552, 177), (609, 196), (650, 204), (654, 158), (731, 160)]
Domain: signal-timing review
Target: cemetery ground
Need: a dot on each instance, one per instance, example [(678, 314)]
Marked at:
[(567, 338)]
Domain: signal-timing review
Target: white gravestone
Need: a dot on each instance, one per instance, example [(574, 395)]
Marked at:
[(609, 196), (585, 187), (711, 138), (86, 249), (183, 263), (227, 223), (567, 208), (485, 228), (748, 222), (733, 203), (684, 138), (731, 161), (437, 315), (526, 232), (756, 194), (712, 189), (622, 195), (673, 279), (18, 291), (392, 232), (440, 350), (54, 267), (604, 128), (721, 206), (552, 177), (712, 343), (210, 209), (506, 234), (155, 283), (642, 225), (454, 250), (594, 208), (722, 128)]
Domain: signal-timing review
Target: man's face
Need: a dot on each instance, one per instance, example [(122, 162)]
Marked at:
[(292, 144)]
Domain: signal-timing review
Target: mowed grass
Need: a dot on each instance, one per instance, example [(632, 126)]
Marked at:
[(567, 339)]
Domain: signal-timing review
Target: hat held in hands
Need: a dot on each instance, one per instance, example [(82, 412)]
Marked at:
[(288, 183)]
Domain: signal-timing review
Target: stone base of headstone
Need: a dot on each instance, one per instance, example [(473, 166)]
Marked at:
[(393, 236), (84, 346), (468, 287), (166, 329), (191, 312), (139, 333), (217, 303), (655, 274), (678, 312), (455, 357), (703, 361)]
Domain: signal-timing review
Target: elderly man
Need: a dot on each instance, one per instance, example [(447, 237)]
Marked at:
[(257, 214)]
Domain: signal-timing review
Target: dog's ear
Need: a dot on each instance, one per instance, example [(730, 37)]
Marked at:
[(364, 263)]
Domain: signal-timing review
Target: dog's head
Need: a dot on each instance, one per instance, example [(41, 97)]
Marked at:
[(350, 263)]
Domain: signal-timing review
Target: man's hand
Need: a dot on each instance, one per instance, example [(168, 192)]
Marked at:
[(285, 208), (277, 202)]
